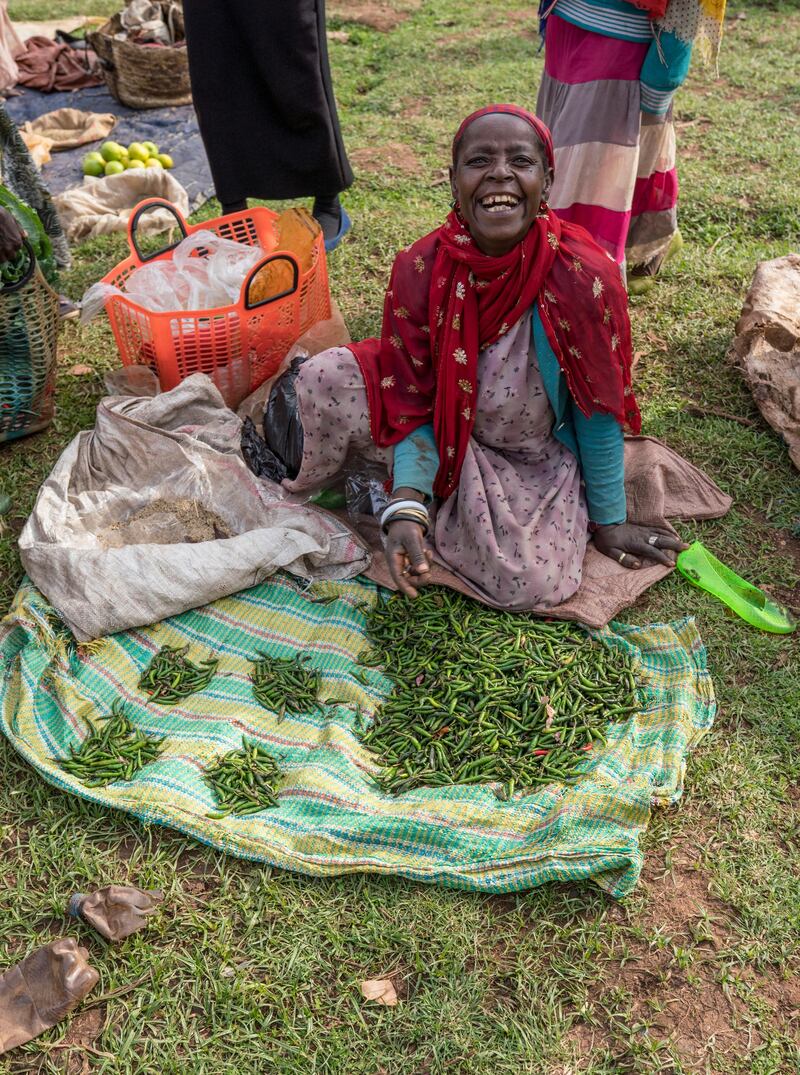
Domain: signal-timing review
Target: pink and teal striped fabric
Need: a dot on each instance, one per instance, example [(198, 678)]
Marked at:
[(615, 164), (332, 817)]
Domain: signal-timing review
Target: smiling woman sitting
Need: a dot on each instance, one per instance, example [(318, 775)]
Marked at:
[(502, 379)]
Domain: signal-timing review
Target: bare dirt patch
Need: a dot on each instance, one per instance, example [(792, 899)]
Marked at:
[(83, 1030), (782, 996), (415, 106), (127, 848), (198, 878), (584, 1042), (392, 156), (377, 15), (667, 980), (671, 976), (679, 896)]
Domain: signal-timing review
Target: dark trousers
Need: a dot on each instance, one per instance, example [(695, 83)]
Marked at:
[(262, 91)]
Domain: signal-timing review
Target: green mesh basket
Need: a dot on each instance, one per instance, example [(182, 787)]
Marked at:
[(28, 338)]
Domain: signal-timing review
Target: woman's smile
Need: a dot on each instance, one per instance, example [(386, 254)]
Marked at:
[(499, 203)]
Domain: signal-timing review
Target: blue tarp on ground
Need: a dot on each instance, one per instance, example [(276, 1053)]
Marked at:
[(174, 130)]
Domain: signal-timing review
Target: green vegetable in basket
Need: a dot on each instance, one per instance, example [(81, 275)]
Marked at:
[(28, 220), (11, 272)]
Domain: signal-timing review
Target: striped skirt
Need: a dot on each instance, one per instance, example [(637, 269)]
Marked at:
[(615, 165)]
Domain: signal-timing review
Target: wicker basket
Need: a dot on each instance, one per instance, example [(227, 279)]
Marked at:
[(142, 77), (28, 339)]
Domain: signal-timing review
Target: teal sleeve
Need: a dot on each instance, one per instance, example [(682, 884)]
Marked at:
[(664, 69), (416, 461), (596, 441), (602, 459)]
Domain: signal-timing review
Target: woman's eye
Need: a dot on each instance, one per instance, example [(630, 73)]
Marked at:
[(474, 161), (524, 162)]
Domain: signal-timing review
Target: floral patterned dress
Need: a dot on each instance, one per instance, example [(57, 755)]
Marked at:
[(516, 526)]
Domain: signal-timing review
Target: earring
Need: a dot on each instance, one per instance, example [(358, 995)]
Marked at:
[(455, 204), (544, 209)]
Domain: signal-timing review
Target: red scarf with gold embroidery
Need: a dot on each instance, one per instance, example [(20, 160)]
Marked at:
[(447, 301)]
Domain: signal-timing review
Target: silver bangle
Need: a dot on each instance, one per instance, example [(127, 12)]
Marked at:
[(400, 505)]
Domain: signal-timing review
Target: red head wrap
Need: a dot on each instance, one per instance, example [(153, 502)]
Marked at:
[(541, 129)]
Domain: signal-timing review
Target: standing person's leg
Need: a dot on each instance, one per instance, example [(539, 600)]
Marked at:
[(262, 89), (590, 99), (653, 230)]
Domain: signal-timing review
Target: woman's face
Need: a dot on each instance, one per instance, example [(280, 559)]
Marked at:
[(500, 178)]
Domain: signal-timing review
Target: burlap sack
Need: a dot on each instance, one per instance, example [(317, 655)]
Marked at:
[(68, 128), (104, 205), (767, 346), (155, 512)]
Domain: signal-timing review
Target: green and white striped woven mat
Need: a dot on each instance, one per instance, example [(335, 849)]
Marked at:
[(332, 818)]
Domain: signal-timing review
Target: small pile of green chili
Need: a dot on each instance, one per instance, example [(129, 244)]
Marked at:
[(244, 781), (485, 696), (117, 752), (170, 677), (284, 685)]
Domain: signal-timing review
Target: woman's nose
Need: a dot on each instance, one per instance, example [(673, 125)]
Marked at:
[(500, 169)]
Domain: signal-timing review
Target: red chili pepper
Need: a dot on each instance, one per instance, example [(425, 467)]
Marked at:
[(541, 753)]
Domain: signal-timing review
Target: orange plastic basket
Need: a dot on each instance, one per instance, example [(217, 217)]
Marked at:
[(238, 346)]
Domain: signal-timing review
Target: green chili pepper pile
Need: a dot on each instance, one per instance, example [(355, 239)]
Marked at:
[(244, 781), (170, 677), (283, 685), (117, 752), (484, 696)]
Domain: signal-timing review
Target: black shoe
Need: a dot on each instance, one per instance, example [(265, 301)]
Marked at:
[(327, 212)]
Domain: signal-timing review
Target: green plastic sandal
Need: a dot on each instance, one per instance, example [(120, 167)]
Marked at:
[(640, 285), (676, 244), (747, 601)]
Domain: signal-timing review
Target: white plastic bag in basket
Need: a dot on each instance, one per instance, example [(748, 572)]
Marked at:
[(218, 271), (205, 272)]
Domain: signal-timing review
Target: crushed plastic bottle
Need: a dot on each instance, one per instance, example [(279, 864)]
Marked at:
[(38, 992), (116, 911)]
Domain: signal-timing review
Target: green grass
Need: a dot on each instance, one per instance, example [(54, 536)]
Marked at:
[(45, 10), (250, 970)]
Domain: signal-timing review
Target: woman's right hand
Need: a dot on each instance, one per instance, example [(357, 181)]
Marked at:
[(407, 556), (11, 236)]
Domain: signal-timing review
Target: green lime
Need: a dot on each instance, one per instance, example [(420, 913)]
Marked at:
[(111, 151)]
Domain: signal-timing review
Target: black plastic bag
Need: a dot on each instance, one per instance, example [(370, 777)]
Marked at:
[(283, 430), (260, 459)]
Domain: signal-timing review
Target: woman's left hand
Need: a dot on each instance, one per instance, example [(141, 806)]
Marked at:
[(629, 544)]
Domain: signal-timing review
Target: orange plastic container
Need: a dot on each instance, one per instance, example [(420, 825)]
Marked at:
[(238, 346)]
